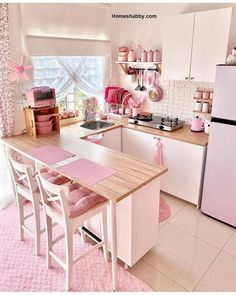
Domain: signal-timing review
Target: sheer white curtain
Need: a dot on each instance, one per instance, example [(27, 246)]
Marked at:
[(88, 73)]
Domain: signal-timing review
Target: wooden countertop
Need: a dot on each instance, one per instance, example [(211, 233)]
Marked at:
[(183, 134), (131, 174)]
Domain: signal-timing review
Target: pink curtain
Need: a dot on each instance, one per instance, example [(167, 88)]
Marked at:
[(6, 89)]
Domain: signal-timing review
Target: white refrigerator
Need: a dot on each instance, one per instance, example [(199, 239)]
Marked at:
[(219, 186)]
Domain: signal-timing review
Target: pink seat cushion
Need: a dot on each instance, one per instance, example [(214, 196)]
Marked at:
[(49, 175), (81, 199), (53, 176)]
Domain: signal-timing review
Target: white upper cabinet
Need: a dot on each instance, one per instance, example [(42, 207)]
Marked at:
[(177, 44), (210, 43), (212, 33)]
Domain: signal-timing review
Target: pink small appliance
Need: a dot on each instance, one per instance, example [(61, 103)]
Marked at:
[(197, 125), (42, 96)]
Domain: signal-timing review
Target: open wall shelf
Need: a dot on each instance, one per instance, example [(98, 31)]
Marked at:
[(139, 65)]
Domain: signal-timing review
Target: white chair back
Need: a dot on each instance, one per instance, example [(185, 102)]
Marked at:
[(54, 195), (22, 174)]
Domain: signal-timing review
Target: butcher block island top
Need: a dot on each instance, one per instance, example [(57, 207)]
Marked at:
[(130, 174)]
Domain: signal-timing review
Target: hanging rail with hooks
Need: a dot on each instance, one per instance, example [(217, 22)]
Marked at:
[(150, 66)]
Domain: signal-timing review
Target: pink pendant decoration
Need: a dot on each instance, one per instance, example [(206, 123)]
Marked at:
[(18, 71)]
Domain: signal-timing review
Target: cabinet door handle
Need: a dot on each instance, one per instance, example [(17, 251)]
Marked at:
[(192, 78), (186, 78), (158, 138)]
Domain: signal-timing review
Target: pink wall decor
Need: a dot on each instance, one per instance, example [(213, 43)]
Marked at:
[(18, 72), (6, 89)]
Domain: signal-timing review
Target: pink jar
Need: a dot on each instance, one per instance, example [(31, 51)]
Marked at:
[(156, 56), (144, 56), (150, 56), (206, 94), (131, 56), (198, 94)]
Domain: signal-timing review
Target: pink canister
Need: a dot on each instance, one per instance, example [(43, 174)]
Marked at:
[(156, 56), (131, 56), (150, 56), (144, 56)]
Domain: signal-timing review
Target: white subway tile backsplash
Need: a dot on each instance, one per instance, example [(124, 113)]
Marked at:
[(177, 98)]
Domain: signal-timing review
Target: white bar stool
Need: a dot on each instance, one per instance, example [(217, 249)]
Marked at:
[(57, 208)]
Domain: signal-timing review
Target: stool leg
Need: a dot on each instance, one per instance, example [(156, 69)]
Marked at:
[(36, 208), (21, 215), (104, 234), (112, 207), (49, 240), (69, 256), (82, 234)]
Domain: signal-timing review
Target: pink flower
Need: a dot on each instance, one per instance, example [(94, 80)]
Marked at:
[(18, 71)]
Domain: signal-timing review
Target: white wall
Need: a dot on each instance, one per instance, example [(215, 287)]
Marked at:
[(68, 21), (178, 95), (148, 33)]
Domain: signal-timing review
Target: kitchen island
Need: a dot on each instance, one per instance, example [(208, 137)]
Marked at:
[(133, 191)]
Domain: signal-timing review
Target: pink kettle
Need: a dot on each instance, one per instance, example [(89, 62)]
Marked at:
[(197, 125)]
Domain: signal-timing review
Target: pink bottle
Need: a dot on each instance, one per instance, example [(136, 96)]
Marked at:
[(156, 56), (150, 56), (144, 56)]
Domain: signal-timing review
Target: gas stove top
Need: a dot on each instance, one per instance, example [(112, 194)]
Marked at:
[(157, 122)]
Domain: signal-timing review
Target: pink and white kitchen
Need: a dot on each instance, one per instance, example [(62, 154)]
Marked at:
[(117, 147)]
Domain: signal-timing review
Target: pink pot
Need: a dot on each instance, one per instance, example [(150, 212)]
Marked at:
[(43, 130), (71, 114), (64, 115), (45, 117)]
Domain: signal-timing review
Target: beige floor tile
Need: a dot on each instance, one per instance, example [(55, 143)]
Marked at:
[(221, 275), (181, 256), (204, 227), (230, 246), (175, 204), (154, 279)]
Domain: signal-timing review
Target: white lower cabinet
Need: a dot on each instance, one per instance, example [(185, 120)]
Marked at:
[(112, 139), (137, 223), (184, 162)]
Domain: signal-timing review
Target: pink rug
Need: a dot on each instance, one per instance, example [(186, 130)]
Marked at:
[(22, 271), (164, 212)]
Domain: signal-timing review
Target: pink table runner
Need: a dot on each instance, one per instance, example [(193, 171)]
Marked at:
[(50, 154), (86, 171)]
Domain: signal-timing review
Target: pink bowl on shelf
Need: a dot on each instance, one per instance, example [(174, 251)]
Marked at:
[(45, 117), (64, 115), (123, 49), (43, 123), (43, 130), (71, 114)]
